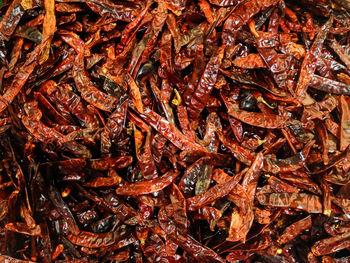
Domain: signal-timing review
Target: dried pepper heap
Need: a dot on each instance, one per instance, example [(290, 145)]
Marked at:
[(175, 131)]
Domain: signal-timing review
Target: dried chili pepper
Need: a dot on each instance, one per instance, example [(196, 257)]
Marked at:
[(174, 131), (310, 60), (145, 187), (330, 245)]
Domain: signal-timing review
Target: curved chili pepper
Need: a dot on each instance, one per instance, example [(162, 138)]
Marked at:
[(295, 229), (331, 245), (89, 92), (205, 85), (93, 240), (217, 191), (328, 85), (290, 164), (253, 118), (21, 78), (24, 229), (128, 30), (11, 19), (149, 186), (170, 132), (308, 67), (240, 17)]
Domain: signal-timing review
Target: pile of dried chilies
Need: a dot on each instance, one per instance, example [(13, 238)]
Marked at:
[(175, 131)]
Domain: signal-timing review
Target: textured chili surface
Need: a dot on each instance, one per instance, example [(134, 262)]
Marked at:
[(175, 131)]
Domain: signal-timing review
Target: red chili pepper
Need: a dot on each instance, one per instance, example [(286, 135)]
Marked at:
[(174, 131), (309, 63), (295, 229), (331, 245), (147, 187)]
